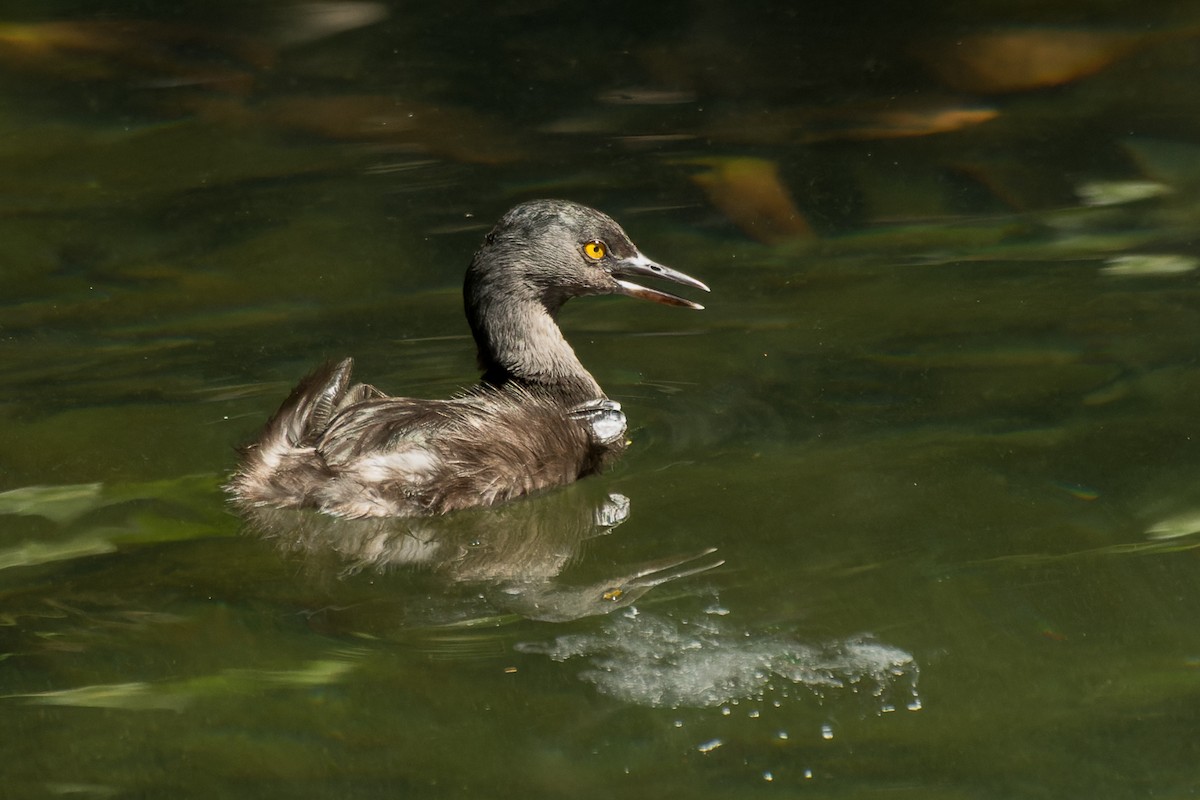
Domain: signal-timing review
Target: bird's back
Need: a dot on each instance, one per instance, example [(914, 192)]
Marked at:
[(351, 451)]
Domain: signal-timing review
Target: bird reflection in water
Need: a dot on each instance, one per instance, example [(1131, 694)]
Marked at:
[(510, 557)]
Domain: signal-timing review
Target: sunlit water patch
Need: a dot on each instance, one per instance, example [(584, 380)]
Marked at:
[(661, 661)]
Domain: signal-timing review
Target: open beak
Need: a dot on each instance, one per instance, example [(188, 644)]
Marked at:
[(641, 267)]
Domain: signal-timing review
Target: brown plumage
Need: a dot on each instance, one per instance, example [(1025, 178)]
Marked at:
[(537, 419)]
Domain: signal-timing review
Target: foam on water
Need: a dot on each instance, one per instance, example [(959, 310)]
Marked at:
[(659, 661)]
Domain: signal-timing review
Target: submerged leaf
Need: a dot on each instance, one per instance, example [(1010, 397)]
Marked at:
[(179, 694), (139, 51), (301, 23), (1184, 524), (1150, 264), (900, 122), (861, 121), (135, 696), (456, 133), (750, 193), (1111, 193), (64, 504), (29, 554), (1023, 59), (58, 503), (187, 507)]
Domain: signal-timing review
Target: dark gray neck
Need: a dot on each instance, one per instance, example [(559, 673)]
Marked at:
[(519, 342)]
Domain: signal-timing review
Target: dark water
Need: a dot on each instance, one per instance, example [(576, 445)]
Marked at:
[(938, 420)]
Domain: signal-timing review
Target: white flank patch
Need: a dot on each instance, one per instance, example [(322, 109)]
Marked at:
[(406, 466)]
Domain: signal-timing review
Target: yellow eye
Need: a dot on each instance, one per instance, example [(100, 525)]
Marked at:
[(595, 250)]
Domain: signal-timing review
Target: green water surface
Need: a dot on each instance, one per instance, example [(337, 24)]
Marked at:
[(925, 484)]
